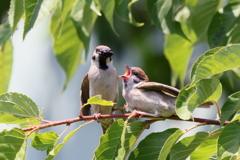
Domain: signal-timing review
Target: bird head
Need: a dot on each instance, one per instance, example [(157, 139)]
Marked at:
[(102, 55), (134, 76)]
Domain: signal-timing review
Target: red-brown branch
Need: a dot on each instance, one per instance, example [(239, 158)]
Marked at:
[(83, 118)]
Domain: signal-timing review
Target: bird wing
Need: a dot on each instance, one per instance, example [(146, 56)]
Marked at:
[(116, 98), (159, 87), (168, 90), (84, 95)]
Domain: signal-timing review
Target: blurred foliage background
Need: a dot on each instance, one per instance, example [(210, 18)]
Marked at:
[(53, 81)]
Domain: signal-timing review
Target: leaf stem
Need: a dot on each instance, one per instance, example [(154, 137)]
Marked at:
[(189, 129), (82, 107), (68, 125), (214, 134), (218, 109), (46, 121), (33, 130)]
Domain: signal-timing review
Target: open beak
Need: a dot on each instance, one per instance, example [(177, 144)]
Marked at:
[(127, 74)]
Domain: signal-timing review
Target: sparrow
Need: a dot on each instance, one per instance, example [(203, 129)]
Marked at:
[(148, 98), (101, 79)]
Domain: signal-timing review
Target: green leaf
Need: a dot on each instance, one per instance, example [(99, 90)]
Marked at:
[(5, 33), (108, 10), (206, 54), (123, 11), (222, 60), (222, 24), (121, 151), (44, 141), (156, 145), (26, 124), (83, 19), (208, 147), (110, 143), (61, 13), (236, 116), (54, 151), (45, 10), (11, 143), (17, 108), (236, 73), (98, 100), (162, 15), (67, 47), (31, 8), (169, 143), (214, 157), (22, 152), (190, 97), (228, 142), (234, 36), (201, 16), (95, 6), (232, 157), (231, 106), (5, 65), (15, 13), (178, 51), (182, 149)]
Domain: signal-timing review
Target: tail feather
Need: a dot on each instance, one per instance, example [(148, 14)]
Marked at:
[(106, 124)]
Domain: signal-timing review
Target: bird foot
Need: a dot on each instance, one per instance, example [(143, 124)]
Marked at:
[(97, 115), (140, 113), (135, 113)]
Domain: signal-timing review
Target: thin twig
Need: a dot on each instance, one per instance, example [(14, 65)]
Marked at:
[(214, 134), (68, 125), (46, 121), (88, 123), (92, 117), (31, 131), (83, 107), (189, 129)]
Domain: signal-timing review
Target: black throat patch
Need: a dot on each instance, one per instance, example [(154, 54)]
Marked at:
[(102, 63)]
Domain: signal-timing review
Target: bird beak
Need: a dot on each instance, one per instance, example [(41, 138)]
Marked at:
[(127, 74), (106, 53)]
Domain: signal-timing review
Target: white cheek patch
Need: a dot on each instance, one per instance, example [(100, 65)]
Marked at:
[(109, 59)]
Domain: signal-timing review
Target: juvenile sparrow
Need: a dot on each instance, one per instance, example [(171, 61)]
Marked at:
[(101, 79), (148, 98)]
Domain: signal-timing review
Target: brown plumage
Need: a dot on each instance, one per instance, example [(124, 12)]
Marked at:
[(149, 98), (101, 79)]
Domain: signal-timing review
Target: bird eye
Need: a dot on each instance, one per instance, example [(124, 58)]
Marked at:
[(136, 81), (134, 73), (99, 51)]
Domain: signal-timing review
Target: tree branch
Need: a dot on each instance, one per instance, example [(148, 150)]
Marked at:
[(84, 118)]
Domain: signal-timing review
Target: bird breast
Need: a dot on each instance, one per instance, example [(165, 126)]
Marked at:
[(150, 102), (103, 82)]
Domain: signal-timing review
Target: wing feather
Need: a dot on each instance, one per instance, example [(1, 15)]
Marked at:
[(84, 95), (159, 87)]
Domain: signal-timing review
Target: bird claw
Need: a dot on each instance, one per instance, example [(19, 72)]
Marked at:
[(140, 114), (97, 115), (134, 114)]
